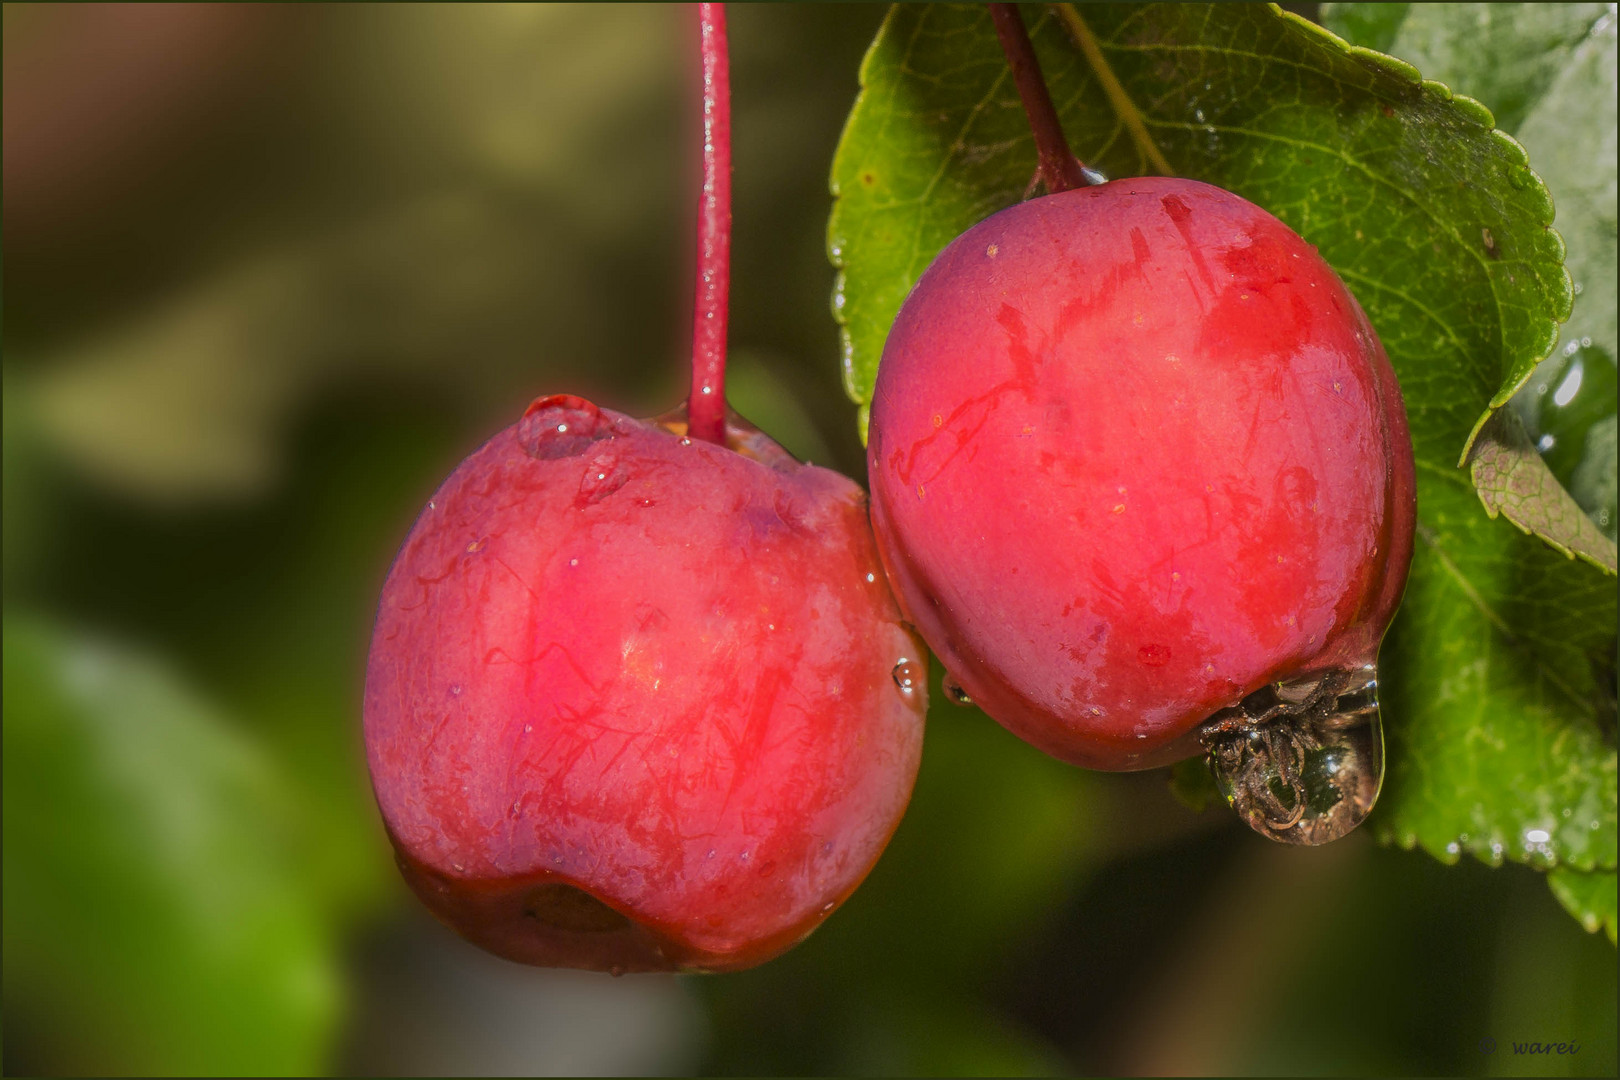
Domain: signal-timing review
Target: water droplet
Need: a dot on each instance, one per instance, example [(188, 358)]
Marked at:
[(871, 578), (432, 505), (828, 906), (1537, 836), (745, 856), (954, 692), (909, 675), (1302, 761), (455, 689), (1092, 176), (560, 426), (604, 474)]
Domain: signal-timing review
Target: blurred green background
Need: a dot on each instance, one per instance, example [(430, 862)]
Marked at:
[(269, 273)]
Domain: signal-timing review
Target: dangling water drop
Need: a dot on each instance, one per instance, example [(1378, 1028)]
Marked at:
[(954, 692), (1301, 761), (909, 675)]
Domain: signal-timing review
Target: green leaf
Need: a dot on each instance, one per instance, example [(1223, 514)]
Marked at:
[(1571, 135), (1587, 895), (1514, 480), (1503, 55), (1548, 73), (153, 919), (1372, 26), (1497, 691), (1498, 678)]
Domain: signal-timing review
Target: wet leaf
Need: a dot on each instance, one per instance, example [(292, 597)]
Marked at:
[(1497, 690), (1547, 71), (154, 920)]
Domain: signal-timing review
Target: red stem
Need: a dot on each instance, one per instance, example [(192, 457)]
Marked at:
[(1060, 169), (706, 407)]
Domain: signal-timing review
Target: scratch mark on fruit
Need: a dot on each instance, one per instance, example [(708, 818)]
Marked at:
[(1024, 365)]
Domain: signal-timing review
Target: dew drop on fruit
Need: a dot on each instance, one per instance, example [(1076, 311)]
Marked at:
[(954, 692), (1301, 761), (908, 675), (560, 426), (604, 474)]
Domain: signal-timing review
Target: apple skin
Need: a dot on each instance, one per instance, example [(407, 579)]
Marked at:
[(1136, 452), (630, 702)]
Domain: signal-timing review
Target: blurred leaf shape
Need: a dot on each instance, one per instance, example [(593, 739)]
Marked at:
[(1588, 895), (1497, 680), (1547, 72), (154, 920), (192, 399), (494, 223)]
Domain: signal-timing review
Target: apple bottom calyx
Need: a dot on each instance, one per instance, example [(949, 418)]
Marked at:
[(547, 921), (1301, 761)]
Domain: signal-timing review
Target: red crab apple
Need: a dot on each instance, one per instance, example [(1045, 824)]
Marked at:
[(1142, 478), (638, 701)]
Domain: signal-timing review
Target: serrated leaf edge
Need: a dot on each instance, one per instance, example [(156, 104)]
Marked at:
[(1590, 921), (1480, 114), (1606, 555)]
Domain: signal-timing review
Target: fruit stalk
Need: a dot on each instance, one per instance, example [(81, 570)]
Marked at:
[(1060, 169), (706, 406)]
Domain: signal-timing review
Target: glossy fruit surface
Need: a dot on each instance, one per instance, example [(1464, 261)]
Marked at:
[(631, 701), (1135, 454)]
